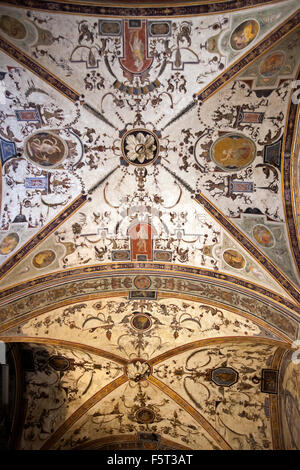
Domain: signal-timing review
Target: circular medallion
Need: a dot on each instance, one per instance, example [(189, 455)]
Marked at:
[(141, 321), (234, 259), (9, 243), (263, 236), (224, 376), (138, 370), (145, 416), (233, 152), (43, 259), (59, 363), (272, 64), (244, 34), (140, 147), (142, 282), (45, 149)]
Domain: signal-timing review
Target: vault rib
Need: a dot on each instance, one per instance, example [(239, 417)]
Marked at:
[(290, 134), (42, 234), (67, 344), (79, 274), (189, 409), (246, 243), (82, 410), (124, 9), (274, 405), (41, 72), (209, 341), (268, 42)]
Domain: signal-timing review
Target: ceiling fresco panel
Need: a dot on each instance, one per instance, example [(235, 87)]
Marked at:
[(149, 226), (134, 328), (192, 373), (59, 380), (139, 410)]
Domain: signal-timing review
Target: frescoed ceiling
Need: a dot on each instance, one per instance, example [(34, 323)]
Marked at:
[(149, 231)]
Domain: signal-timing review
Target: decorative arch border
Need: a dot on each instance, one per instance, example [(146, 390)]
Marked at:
[(256, 302)]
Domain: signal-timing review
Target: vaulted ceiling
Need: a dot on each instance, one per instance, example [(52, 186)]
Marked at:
[(149, 231)]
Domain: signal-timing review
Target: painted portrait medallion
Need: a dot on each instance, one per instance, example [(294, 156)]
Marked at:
[(263, 236), (234, 259), (9, 243), (272, 64), (45, 149), (12, 27), (140, 147), (43, 259), (141, 321), (145, 416), (142, 282), (224, 376), (233, 152), (244, 34)]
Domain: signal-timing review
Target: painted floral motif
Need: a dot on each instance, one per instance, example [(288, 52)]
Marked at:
[(138, 370), (140, 148)]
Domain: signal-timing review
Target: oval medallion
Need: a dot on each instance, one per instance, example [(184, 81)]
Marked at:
[(141, 321), (244, 34), (12, 27), (43, 259), (9, 243), (263, 236), (234, 259), (233, 152), (59, 363), (272, 64), (45, 149)]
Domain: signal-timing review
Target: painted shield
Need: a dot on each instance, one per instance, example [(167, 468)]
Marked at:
[(244, 34), (233, 152), (45, 149)]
